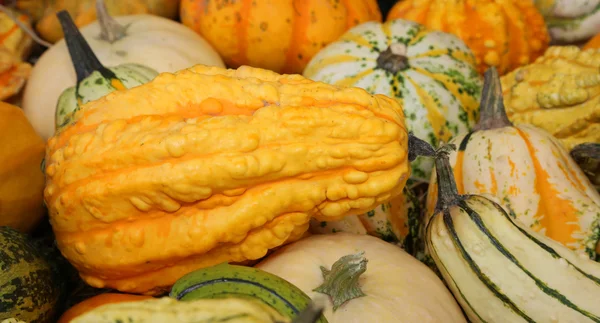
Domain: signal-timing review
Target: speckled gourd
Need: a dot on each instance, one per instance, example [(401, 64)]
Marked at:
[(560, 93), (529, 172), (153, 182)]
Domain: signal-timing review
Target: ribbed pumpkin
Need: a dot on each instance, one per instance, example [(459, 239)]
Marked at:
[(529, 172), (280, 35), (432, 74), (156, 181), (505, 34), (560, 93), (593, 43)]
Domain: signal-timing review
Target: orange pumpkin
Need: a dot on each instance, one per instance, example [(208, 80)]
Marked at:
[(593, 43), (505, 34), (280, 35), (97, 301)]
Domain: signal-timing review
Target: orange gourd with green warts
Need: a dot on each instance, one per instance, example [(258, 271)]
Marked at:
[(281, 35), (153, 182), (504, 34), (529, 172)]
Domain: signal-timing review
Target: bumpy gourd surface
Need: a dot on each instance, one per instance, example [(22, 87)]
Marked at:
[(210, 165), (560, 93), (438, 87), (505, 34), (533, 177)]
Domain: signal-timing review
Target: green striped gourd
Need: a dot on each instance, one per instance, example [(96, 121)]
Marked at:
[(500, 270), (431, 73)]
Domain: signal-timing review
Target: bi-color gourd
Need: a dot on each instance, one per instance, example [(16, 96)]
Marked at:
[(158, 43), (570, 21), (499, 269), (223, 174), (530, 173)]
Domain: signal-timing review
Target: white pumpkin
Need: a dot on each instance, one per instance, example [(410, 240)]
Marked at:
[(570, 20), (159, 43), (397, 287)]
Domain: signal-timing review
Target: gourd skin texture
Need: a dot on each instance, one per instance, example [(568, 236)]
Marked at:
[(13, 37), (155, 42), (398, 287), (156, 181), (570, 21), (97, 301), (279, 35), (504, 34), (560, 93), (21, 180), (233, 310), (533, 177), (438, 88)]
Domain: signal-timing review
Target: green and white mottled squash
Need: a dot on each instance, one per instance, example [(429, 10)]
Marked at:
[(93, 79), (431, 73), (28, 290), (397, 221), (161, 310), (500, 270), (570, 21)]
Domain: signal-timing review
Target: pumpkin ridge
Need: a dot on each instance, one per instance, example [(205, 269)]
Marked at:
[(299, 25), (241, 25)]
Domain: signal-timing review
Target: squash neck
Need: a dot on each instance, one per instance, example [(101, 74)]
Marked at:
[(491, 109), (83, 58), (393, 59), (447, 191), (110, 30)]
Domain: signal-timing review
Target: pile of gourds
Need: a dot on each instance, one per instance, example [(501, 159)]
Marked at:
[(437, 162)]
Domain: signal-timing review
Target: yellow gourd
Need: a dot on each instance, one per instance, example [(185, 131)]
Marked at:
[(560, 93), (21, 179), (153, 182)]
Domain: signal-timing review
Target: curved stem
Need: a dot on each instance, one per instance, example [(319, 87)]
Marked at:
[(341, 282), (418, 147), (447, 191), (83, 58), (25, 28), (492, 112), (111, 30)]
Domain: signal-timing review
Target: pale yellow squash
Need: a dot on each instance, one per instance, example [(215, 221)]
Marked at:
[(396, 286)]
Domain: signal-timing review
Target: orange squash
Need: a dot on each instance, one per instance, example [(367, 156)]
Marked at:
[(97, 301), (153, 182), (505, 34), (21, 180), (593, 43), (280, 35)]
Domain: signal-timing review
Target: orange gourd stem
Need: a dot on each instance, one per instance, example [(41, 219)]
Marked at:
[(492, 112)]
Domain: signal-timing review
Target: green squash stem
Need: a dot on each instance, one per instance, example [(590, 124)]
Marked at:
[(492, 114), (83, 58), (341, 282), (447, 192), (111, 30)]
